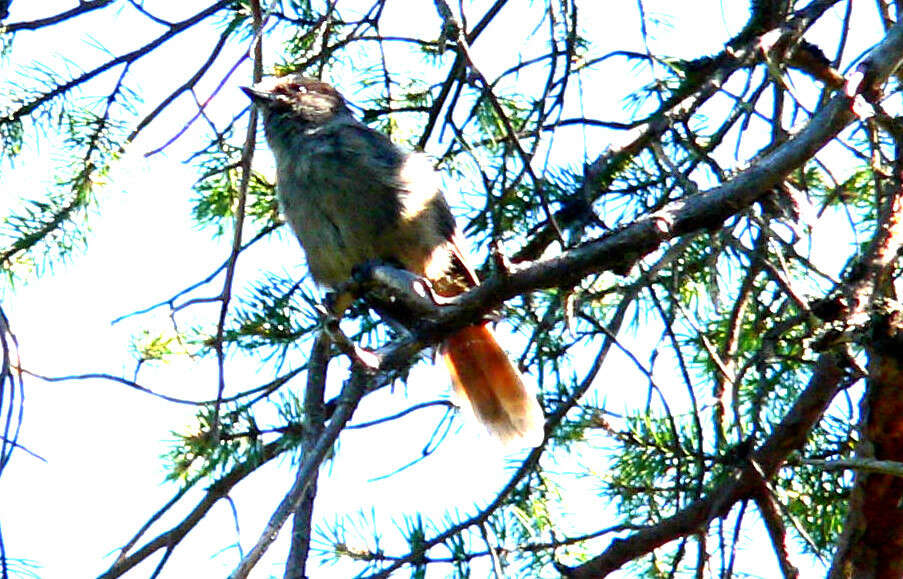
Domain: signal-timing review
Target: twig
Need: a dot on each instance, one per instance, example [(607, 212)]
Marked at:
[(454, 28), (219, 489), (185, 86), (119, 380), (890, 467), (83, 7), (27, 108), (247, 156), (493, 553), (443, 403), (263, 389), (171, 301), (777, 531)]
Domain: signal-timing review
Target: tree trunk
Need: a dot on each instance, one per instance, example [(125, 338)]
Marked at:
[(872, 541)]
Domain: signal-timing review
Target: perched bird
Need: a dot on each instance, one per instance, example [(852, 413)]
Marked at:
[(353, 197)]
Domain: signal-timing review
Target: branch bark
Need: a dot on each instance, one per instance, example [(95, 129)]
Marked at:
[(315, 419), (352, 392), (872, 542), (789, 435), (622, 249), (169, 539)]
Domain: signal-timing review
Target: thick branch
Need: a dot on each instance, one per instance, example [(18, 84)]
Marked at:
[(622, 249), (872, 541), (791, 433)]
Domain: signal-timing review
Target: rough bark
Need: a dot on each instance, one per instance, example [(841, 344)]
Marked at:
[(872, 544), (872, 541)]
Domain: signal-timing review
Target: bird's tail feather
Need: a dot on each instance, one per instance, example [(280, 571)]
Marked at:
[(483, 374)]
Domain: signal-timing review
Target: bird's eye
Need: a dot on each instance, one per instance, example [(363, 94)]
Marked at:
[(292, 89)]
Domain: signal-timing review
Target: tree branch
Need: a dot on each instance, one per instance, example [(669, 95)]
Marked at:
[(83, 7), (219, 489), (354, 389), (28, 108), (315, 420), (788, 435), (622, 249)]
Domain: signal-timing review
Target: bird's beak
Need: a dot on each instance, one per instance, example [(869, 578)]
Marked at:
[(257, 95)]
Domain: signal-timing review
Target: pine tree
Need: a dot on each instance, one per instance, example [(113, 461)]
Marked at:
[(711, 237)]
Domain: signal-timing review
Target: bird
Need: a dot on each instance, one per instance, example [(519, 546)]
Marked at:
[(353, 197)]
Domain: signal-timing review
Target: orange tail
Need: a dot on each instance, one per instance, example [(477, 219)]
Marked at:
[(482, 373)]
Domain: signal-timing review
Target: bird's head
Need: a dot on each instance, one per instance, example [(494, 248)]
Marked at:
[(298, 98)]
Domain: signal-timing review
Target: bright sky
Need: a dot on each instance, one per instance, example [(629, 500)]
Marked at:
[(102, 442)]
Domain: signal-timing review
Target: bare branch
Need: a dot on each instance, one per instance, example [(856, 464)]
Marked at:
[(315, 420), (29, 107), (83, 7)]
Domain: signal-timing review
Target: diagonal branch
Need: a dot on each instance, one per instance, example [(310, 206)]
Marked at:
[(169, 539), (622, 249), (788, 435), (354, 389), (774, 524)]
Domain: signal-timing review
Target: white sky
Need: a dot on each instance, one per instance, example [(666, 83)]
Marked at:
[(102, 442)]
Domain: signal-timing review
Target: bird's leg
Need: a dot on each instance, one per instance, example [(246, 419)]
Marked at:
[(335, 303)]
